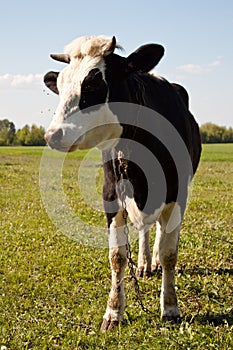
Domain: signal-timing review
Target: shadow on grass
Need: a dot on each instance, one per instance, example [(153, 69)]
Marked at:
[(213, 319), (204, 271), (196, 270)]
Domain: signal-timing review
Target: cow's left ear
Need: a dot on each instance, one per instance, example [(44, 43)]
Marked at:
[(145, 58), (50, 80)]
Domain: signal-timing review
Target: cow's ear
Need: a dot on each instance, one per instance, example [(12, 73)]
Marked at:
[(50, 80), (145, 58)]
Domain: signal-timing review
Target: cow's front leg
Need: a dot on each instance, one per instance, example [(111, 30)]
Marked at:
[(144, 257), (118, 261), (168, 250)]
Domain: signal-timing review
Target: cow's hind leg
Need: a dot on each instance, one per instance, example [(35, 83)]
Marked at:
[(155, 263), (168, 249), (144, 257), (118, 261)]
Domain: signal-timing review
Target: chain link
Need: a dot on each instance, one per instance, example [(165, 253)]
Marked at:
[(123, 167)]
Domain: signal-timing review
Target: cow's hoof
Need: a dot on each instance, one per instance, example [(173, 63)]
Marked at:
[(108, 325), (141, 272), (155, 268), (172, 319)]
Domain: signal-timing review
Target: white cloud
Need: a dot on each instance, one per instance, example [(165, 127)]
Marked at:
[(199, 68), (20, 80)]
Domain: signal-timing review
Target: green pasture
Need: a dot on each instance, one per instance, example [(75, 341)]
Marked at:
[(53, 289)]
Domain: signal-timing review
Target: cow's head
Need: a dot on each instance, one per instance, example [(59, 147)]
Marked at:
[(83, 118)]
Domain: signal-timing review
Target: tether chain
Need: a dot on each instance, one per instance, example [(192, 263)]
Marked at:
[(123, 165)]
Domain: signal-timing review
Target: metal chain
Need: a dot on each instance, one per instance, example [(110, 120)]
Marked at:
[(123, 165)]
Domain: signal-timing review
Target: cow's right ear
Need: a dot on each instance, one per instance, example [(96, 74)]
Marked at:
[(50, 80), (145, 58)]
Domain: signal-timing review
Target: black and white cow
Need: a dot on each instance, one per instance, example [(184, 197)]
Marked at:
[(148, 137)]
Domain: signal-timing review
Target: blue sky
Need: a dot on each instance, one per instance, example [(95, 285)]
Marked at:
[(197, 36)]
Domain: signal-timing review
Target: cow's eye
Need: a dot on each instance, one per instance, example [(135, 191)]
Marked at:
[(92, 80)]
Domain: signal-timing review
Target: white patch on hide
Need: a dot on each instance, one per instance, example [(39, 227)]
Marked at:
[(143, 221), (139, 219), (136, 216)]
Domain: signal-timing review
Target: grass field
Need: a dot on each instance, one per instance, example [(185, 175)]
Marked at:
[(53, 290)]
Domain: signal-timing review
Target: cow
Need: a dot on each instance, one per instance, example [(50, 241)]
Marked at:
[(150, 145)]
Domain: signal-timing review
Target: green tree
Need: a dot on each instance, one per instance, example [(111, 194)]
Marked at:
[(228, 135), (36, 136), (7, 132), (23, 135)]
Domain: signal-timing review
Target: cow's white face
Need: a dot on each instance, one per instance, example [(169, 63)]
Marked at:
[(83, 119)]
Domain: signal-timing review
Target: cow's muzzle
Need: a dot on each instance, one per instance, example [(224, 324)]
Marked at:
[(53, 138)]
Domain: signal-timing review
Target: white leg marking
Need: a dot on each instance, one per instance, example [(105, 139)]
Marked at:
[(117, 236), (144, 258), (118, 261)]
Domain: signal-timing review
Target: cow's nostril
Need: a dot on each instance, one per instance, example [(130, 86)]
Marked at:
[(52, 137)]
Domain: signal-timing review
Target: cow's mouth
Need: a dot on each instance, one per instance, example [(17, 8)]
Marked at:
[(63, 149)]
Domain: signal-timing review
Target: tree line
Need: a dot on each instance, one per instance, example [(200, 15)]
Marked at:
[(212, 133), (34, 136)]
